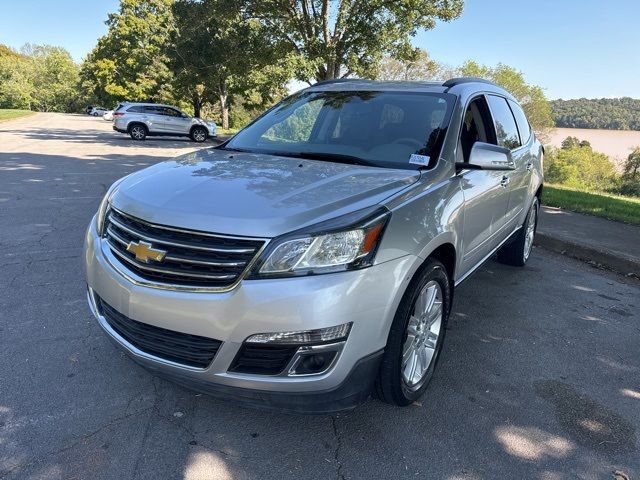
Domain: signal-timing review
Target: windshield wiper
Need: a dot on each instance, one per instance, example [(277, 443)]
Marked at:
[(331, 157)]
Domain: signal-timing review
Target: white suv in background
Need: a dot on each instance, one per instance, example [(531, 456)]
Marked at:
[(143, 119)]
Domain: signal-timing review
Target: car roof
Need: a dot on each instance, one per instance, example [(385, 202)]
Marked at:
[(144, 104), (457, 86)]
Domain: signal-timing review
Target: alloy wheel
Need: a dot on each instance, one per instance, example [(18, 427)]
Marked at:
[(531, 230), (199, 135), (423, 331), (137, 133)]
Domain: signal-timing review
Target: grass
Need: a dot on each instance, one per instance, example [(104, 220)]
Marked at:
[(227, 132), (10, 114), (612, 207)]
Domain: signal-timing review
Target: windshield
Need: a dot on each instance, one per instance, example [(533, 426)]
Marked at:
[(381, 129)]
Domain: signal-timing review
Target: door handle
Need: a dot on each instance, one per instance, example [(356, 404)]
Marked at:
[(529, 166), (505, 181)]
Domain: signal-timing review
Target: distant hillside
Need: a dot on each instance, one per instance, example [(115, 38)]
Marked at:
[(606, 113)]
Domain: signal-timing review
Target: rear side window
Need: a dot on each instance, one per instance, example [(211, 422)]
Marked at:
[(170, 112), (521, 120), (506, 128), (153, 110), (136, 109)]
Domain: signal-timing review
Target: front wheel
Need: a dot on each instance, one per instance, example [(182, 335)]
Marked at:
[(199, 134), (518, 251), (416, 337)]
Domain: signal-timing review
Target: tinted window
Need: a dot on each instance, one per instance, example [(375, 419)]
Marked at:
[(506, 129), (170, 112), (474, 127), (521, 120), (382, 128), (136, 109), (153, 110)]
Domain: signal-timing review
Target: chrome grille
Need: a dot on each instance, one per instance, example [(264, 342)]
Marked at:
[(192, 258)]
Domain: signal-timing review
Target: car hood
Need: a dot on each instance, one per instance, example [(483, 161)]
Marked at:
[(253, 194)]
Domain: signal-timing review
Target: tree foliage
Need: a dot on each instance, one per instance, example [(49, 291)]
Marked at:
[(577, 165), (217, 52), (418, 67), (606, 113), (39, 77), (531, 97), (629, 183), (339, 38), (131, 61)]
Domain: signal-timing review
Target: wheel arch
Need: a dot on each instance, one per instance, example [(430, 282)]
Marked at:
[(193, 127), (134, 123)]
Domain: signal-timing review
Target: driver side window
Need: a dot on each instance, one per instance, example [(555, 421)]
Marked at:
[(476, 127)]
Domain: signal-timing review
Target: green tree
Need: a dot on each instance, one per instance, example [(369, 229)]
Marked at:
[(39, 77), (130, 61), (632, 164), (531, 97), (217, 53), (16, 88), (573, 142), (339, 38), (580, 167), (418, 67), (606, 113), (629, 183), (54, 77)]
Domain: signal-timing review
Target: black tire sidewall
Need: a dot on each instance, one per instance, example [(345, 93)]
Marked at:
[(390, 378)]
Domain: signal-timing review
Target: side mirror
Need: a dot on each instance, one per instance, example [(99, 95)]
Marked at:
[(485, 156)]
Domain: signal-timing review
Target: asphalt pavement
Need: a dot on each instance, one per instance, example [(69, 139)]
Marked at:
[(539, 377)]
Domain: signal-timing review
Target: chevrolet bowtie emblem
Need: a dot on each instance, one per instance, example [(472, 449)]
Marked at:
[(144, 252)]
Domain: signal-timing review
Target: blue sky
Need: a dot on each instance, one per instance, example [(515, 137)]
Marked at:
[(572, 48)]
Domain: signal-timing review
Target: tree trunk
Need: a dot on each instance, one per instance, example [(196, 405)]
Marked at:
[(196, 102), (224, 110), (224, 105)]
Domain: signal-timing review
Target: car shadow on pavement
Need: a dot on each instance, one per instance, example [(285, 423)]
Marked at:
[(538, 377)]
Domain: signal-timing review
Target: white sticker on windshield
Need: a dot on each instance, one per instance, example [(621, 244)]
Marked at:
[(419, 159)]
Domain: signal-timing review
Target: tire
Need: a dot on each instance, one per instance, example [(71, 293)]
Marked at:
[(518, 251), (138, 132), (199, 134), (395, 383)]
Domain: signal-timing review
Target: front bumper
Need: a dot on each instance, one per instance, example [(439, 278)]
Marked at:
[(367, 298)]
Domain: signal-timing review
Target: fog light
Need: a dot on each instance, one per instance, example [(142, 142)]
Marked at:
[(314, 363), (314, 359)]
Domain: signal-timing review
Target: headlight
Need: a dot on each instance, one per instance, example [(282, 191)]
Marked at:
[(104, 206), (345, 243)]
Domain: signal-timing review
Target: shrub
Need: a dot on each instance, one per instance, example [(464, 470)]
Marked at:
[(578, 166)]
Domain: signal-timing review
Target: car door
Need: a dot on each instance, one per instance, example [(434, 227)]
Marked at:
[(153, 118), (485, 194), (507, 136), (521, 177), (175, 122)]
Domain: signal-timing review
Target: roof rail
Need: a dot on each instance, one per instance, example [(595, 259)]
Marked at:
[(335, 80), (452, 82)]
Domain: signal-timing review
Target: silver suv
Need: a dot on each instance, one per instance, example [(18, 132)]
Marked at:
[(313, 257), (144, 119)]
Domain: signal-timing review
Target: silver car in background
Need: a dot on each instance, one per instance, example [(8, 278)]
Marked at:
[(140, 120), (312, 258)]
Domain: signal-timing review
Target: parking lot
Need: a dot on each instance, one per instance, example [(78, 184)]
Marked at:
[(539, 378)]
